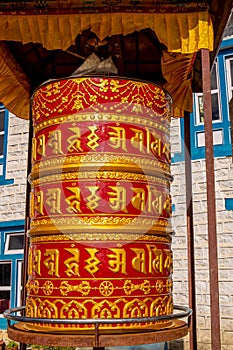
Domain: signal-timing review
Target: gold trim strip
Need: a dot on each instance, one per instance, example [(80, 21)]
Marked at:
[(115, 163), (31, 280), (101, 237), (99, 298), (86, 224), (105, 175), (102, 117)]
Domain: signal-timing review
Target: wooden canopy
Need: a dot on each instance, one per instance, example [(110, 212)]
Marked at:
[(147, 39)]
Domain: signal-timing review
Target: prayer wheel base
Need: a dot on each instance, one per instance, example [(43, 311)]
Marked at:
[(19, 332)]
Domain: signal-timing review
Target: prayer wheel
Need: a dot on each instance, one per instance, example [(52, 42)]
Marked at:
[(100, 230)]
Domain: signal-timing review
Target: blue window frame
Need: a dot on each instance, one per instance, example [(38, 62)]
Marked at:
[(222, 92), (4, 117), (229, 203), (11, 257)]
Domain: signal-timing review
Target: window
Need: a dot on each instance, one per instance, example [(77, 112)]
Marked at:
[(217, 138), (14, 243), (216, 111), (198, 127), (5, 285), (221, 92), (4, 115), (11, 256)]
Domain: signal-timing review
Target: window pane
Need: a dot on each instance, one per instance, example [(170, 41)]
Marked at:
[(217, 137), (16, 242), (2, 115), (4, 300), (5, 274), (200, 139), (231, 72), (215, 107), (201, 109), (213, 79), (1, 144)]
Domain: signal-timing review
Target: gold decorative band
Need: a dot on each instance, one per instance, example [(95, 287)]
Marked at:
[(114, 175), (100, 224), (151, 286), (102, 117), (119, 308), (105, 161), (98, 237)]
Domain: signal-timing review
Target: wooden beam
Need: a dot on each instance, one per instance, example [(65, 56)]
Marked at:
[(190, 233), (211, 205)]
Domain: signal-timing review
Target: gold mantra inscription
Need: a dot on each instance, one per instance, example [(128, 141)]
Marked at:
[(149, 200), (145, 141), (149, 260)]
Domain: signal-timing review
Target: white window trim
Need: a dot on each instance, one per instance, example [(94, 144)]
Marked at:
[(19, 282), (12, 251), (5, 288), (202, 133), (214, 91), (2, 133), (229, 79)]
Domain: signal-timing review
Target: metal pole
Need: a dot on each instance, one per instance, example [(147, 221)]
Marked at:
[(27, 224), (211, 205), (190, 233)]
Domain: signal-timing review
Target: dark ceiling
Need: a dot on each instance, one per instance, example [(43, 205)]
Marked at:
[(137, 55)]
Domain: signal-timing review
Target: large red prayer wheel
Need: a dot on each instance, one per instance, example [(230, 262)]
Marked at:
[(100, 232)]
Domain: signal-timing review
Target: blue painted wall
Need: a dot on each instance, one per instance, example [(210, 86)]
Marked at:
[(10, 227), (224, 149), (3, 159)]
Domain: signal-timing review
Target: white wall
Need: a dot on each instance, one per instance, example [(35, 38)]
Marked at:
[(12, 203)]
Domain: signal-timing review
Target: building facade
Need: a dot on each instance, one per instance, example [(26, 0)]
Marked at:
[(13, 178), (13, 182), (221, 88)]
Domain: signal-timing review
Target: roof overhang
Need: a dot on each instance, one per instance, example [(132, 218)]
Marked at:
[(49, 39)]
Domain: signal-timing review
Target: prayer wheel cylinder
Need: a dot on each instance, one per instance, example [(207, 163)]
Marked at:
[(100, 231)]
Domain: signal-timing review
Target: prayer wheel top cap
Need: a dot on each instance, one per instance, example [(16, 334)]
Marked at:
[(99, 94), (99, 76)]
